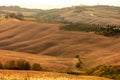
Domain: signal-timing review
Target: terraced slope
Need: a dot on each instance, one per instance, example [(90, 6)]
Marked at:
[(47, 39)]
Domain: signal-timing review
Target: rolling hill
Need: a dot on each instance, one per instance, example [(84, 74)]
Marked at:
[(48, 39), (39, 39)]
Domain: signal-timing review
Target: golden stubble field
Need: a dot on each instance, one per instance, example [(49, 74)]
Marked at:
[(34, 75)]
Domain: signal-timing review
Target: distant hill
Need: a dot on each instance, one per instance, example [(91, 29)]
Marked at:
[(81, 14), (16, 9)]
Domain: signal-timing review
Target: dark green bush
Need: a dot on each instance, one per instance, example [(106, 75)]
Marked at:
[(1, 65), (23, 65), (10, 65), (79, 65), (36, 67), (20, 65), (17, 65), (77, 56)]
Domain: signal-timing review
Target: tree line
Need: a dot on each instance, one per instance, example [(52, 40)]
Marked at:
[(20, 65), (106, 30)]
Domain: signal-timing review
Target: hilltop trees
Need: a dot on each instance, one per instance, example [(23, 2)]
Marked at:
[(15, 15)]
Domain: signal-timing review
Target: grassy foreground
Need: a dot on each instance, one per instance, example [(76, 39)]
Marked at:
[(34, 75)]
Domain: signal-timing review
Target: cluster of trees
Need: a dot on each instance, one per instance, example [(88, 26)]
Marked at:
[(15, 15), (106, 30), (112, 72), (20, 65), (109, 30)]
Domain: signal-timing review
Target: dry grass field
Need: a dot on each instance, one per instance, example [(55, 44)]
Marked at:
[(32, 75)]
